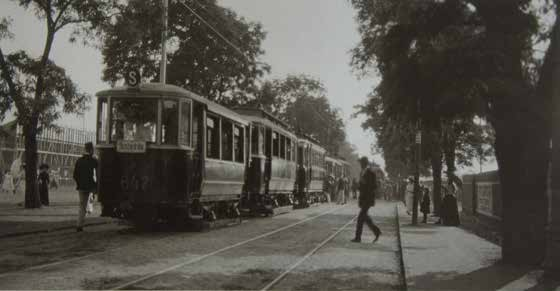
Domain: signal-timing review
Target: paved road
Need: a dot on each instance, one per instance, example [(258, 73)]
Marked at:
[(301, 250)]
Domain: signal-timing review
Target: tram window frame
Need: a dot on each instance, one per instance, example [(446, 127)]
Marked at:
[(282, 146), (275, 146), (255, 140), (171, 136), (185, 129), (102, 121), (261, 139), (227, 140), (288, 149), (238, 143), (213, 135), (117, 132)]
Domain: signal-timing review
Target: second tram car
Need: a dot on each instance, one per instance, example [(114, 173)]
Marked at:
[(271, 168)]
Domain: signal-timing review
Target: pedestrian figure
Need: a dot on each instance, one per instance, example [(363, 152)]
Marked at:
[(368, 189), (8, 182), (449, 208), (354, 188), (409, 196), (340, 190), (84, 171), (425, 207), (44, 180), (346, 189), (54, 180)]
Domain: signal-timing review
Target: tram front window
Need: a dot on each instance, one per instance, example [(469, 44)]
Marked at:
[(134, 120), (169, 124)]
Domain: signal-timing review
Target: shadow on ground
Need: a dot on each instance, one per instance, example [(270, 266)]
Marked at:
[(490, 278)]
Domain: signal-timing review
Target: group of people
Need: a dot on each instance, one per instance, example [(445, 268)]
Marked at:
[(341, 188), (13, 181), (448, 212)]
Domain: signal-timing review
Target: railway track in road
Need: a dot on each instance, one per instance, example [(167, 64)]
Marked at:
[(207, 255), (265, 261), (102, 255), (305, 257)]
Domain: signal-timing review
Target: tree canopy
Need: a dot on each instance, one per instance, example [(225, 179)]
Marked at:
[(198, 60)]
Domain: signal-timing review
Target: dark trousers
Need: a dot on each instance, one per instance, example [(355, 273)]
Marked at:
[(364, 217), (44, 194)]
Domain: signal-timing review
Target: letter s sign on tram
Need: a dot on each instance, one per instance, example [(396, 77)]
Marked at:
[(132, 78)]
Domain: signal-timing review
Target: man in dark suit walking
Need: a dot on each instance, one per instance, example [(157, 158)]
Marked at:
[(85, 175), (368, 188)]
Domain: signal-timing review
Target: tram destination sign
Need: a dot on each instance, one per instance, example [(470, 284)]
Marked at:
[(131, 146)]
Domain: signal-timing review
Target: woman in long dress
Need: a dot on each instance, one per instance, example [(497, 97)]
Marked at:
[(8, 183)]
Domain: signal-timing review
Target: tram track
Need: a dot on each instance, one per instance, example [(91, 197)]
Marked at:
[(306, 256), (124, 286), (58, 263)]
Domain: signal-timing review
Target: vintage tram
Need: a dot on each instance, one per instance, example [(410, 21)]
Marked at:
[(167, 153), (271, 168), (310, 173)]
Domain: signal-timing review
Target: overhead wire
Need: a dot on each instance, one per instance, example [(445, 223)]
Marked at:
[(220, 35)]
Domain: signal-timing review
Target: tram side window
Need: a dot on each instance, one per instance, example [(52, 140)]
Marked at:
[(255, 140), (261, 140), (169, 122), (134, 119), (227, 140), (282, 147), (185, 137), (102, 120), (288, 149), (294, 146), (275, 144), (238, 143), (212, 137)]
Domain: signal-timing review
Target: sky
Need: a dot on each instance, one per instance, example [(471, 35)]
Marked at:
[(311, 37)]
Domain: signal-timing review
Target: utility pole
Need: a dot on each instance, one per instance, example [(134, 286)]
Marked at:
[(418, 158), (163, 64)]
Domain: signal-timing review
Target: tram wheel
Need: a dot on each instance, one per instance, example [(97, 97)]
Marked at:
[(145, 218)]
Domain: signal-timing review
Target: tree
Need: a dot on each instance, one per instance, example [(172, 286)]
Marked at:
[(37, 87), (198, 60), (469, 58), (302, 102)]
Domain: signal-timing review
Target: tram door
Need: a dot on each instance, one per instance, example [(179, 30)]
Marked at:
[(198, 143), (268, 154)]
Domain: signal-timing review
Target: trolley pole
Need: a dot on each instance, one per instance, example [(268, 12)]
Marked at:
[(163, 64)]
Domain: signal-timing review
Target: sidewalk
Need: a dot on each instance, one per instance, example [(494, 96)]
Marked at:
[(62, 213), (450, 258)]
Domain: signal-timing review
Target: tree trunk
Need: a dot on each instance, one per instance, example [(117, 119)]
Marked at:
[(521, 132), (30, 137), (550, 82), (436, 160)]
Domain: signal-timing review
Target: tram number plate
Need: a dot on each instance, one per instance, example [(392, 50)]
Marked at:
[(128, 146)]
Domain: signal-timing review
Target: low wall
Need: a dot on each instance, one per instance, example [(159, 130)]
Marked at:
[(482, 195)]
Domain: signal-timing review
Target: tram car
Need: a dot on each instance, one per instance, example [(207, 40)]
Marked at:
[(310, 173), (332, 173), (271, 167), (167, 153)]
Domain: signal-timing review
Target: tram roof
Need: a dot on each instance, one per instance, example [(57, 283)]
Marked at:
[(167, 90), (264, 118)]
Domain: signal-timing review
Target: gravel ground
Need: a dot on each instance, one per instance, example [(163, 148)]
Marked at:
[(245, 256)]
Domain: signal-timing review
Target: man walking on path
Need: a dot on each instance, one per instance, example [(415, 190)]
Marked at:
[(85, 181), (368, 188)]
